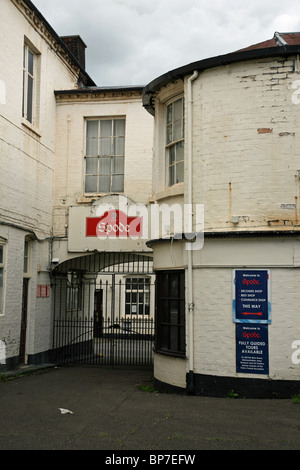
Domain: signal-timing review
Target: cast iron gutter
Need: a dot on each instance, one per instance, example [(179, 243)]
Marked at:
[(221, 60), (83, 72)]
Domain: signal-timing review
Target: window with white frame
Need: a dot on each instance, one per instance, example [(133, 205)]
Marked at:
[(29, 84), (137, 295), (105, 154), (175, 141), (2, 248)]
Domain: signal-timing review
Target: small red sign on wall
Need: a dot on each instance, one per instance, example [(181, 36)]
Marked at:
[(114, 224), (43, 291)]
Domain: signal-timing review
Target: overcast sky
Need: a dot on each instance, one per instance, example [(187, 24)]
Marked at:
[(132, 42)]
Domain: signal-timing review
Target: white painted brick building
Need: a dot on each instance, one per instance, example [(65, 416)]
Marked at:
[(226, 137), (241, 162), (34, 63), (50, 179)]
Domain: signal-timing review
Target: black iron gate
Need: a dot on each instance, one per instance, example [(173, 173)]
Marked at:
[(104, 316)]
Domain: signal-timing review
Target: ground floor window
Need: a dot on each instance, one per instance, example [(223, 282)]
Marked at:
[(137, 296), (170, 312)]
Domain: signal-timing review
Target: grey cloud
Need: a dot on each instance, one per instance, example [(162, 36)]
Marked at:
[(134, 41)]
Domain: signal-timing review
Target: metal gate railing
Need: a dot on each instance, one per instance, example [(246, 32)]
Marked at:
[(104, 317), (123, 343)]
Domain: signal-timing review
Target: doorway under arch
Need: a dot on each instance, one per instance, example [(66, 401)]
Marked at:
[(103, 310)]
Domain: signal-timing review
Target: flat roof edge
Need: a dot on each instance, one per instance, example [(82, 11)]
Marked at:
[(217, 61)]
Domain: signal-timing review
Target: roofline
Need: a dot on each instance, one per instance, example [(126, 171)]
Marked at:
[(59, 40), (221, 60), (92, 90)]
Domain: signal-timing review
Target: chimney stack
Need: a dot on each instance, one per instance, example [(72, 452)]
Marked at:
[(77, 47)]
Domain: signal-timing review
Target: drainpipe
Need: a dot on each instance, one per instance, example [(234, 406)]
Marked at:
[(190, 374)]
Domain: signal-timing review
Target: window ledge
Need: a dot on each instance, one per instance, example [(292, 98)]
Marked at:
[(31, 127), (175, 190), (87, 198)]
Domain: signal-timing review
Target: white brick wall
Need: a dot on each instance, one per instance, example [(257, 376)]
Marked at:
[(26, 176), (239, 168), (246, 147)]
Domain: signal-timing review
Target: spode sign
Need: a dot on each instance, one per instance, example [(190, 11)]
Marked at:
[(114, 223), (126, 220), (251, 296)]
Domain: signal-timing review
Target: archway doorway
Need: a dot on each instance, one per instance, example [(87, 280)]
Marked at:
[(104, 310)]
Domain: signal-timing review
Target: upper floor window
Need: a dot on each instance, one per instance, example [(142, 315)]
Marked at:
[(105, 154), (175, 141), (29, 83)]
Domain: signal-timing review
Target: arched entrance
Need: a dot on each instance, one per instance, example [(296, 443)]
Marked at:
[(104, 310)]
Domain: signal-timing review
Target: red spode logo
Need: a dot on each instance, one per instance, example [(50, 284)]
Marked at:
[(251, 335), (114, 224), (251, 281)]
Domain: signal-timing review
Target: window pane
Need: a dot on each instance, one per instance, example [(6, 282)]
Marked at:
[(1, 254), (104, 184), (179, 151), (91, 184), (172, 154), (169, 133), (177, 129), (29, 98), (178, 109), (92, 129), (119, 146), (173, 338), (92, 138), (164, 337), (179, 172), (118, 165), (105, 146), (24, 94), (117, 183), (119, 127), (106, 128), (171, 175), (174, 286), (105, 166), (91, 166), (30, 62), (170, 113)]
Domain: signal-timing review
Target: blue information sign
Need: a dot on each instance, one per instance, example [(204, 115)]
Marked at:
[(252, 351), (251, 303)]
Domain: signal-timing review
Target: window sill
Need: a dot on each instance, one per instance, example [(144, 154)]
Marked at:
[(175, 190), (91, 197), (31, 127)]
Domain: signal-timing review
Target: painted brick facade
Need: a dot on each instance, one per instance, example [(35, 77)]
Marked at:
[(245, 147)]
